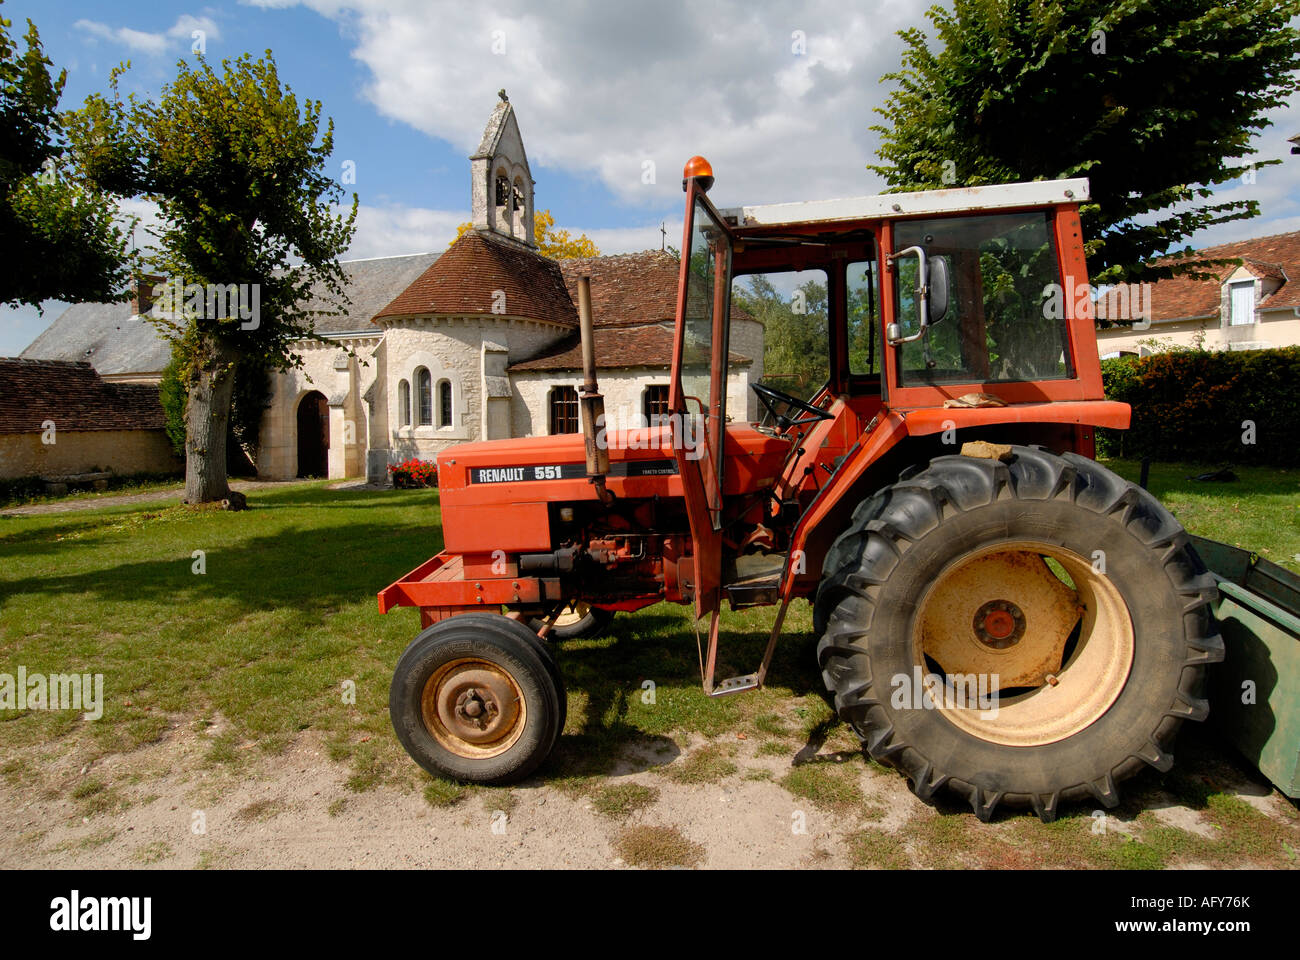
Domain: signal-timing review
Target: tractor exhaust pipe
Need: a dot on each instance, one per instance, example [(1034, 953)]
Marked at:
[(591, 401)]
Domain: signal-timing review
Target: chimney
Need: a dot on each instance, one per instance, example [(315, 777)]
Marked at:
[(142, 293)]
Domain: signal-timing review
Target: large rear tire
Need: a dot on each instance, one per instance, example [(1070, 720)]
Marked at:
[(475, 698), (1074, 595)]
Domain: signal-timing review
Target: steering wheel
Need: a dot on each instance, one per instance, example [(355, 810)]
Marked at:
[(780, 405)]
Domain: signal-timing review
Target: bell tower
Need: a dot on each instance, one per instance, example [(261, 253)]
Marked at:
[(502, 192)]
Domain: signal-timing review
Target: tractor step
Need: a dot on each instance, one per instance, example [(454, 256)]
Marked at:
[(756, 581), (748, 681)]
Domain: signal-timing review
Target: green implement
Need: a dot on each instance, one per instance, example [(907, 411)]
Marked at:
[(1255, 692)]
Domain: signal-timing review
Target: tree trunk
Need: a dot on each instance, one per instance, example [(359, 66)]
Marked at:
[(207, 420)]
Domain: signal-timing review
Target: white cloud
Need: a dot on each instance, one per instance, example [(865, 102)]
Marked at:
[(605, 88), (391, 231), (179, 34)]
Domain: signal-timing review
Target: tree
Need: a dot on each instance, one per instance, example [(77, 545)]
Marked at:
[(556, 244), (250, 228), (1155, 101), (59, 236)]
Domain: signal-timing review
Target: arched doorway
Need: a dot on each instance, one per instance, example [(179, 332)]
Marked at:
[(313, 435)]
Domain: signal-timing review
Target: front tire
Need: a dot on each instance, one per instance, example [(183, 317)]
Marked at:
[(474, 699), (1073, 594)]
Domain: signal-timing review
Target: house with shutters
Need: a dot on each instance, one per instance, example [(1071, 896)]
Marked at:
[(479, 342), (1251, 306)]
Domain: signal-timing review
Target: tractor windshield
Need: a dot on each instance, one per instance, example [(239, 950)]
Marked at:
[(998, 326), (705, 319)]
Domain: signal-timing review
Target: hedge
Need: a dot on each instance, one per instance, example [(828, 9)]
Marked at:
[(1200, 405)]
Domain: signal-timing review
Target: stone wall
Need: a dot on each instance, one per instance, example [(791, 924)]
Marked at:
[(1276, 328), (623, 390), (452, 349), (122, 452), (328, 369)]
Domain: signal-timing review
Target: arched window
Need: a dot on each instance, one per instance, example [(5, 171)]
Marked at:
[(444, 403), (424, 387), (403, 403)]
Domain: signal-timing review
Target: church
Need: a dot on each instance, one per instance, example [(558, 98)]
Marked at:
[(479, 342)]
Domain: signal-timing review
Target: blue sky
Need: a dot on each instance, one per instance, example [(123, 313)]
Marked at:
[(778, 95)]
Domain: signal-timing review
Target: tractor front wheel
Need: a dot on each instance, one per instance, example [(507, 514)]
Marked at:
[(1027, 633), (477, 698)]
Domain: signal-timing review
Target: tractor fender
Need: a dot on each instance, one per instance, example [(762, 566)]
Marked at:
[(892, 427)]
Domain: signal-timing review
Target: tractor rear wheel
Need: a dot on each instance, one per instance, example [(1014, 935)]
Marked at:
[(1028, 633), (475, 698)]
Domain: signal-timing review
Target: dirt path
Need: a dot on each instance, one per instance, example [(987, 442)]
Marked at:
[(166, 806), (74, 504)]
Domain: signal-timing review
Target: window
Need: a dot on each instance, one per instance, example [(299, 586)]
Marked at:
[(1005, 319), (424, 386), (792, 307), (564, 410), (655, 404), (1243, 302), (444, 403), (404, 404)]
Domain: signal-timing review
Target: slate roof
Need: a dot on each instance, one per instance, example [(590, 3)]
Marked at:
[(649, 345), (109, 337), (1275, 257), (74, 397), (464, 280)]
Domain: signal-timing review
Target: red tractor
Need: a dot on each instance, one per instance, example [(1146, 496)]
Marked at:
[(997, 613)]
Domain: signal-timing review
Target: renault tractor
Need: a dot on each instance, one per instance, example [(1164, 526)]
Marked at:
[(997, 614)]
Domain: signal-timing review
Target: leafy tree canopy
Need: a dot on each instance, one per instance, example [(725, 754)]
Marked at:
[(58, 233), (1155, 101)]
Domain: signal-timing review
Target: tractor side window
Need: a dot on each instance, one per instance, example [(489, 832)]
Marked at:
[(864, 319), (789, 346), (1002, 270)]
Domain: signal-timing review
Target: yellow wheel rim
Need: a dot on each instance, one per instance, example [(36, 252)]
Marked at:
[(474, 708), (1032, 642)]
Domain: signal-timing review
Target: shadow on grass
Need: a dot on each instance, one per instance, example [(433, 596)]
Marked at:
[(312, 570), (639, 686)]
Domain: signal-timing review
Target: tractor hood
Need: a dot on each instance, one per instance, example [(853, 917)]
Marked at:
[(562, 456), (496, 494)]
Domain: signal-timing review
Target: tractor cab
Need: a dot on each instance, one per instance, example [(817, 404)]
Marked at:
[(887, 309)]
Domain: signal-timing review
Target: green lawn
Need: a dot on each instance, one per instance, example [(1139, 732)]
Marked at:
[(285, 614), (1259, 511)]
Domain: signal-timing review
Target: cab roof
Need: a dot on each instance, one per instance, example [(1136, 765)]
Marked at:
[(1002, 196)]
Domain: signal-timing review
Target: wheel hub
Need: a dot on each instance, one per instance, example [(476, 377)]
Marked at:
[(473, 708), (1005, 614), (999, 624), (970, 626)]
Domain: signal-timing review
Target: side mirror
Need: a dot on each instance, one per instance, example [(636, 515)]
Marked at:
[(924, 273), (938, 270)]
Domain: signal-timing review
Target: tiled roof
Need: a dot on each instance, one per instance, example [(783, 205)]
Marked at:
[(648, 345), (1275, 258), (466, 278), (74, 397), (114, 342), (630, 288)]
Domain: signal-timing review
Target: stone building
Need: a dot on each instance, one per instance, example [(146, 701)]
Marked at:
[(477, 343), (1251, 306), (60, 418)]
